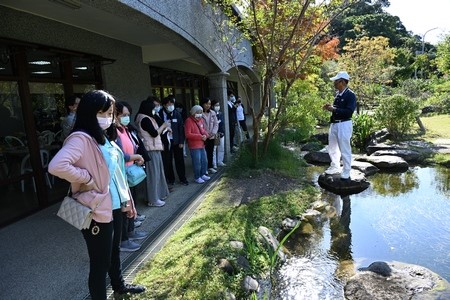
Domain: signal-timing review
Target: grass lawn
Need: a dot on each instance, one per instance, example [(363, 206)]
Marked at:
[(186, 267), (438, 127)]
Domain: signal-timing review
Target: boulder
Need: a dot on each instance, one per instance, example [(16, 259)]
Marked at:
[(333, 183), (407, 155), (366, 168), (386, 162), (396, 280), (317, 157), (375, 147)]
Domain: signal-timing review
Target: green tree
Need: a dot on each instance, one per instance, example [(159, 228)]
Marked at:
[(369, 63), (443, 56), (285, 35)]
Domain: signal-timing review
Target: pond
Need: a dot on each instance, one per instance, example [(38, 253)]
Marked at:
[(400, 217)]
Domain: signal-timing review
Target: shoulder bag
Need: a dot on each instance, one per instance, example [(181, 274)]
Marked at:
[(135, 174), (75, 213)]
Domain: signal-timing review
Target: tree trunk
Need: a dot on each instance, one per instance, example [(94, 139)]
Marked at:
[(419, 122)]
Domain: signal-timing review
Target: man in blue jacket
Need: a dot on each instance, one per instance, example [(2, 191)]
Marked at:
[(174, 142), (341, 126)]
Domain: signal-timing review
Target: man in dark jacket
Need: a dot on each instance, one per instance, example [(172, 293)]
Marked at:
[(232, 120), (173, 144)]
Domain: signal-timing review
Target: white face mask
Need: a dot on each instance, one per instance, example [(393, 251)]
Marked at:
[(217, 108), (233, 99), (125, 120), (170, 108), (198, 116), (157, 108), (104, 122)]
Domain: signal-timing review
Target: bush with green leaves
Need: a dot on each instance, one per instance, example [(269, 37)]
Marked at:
[(363, 127), (397, 113)]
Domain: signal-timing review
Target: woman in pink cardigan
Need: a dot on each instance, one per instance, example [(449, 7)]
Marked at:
[(90, 161)]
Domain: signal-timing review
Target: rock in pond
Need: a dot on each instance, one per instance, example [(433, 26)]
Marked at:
[(333, 183)]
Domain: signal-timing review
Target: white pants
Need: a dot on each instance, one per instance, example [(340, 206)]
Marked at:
[(339, 146), (219, 153)]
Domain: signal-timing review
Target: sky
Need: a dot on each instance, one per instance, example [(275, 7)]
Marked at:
[(419, 16)]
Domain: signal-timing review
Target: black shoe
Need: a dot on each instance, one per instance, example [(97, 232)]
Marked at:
[(184, 182), (130, 288)]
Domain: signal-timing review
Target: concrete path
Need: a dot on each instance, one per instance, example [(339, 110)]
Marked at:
[(42, 257)]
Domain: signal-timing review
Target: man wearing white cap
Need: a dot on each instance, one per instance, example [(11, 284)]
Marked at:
[(341, 126)]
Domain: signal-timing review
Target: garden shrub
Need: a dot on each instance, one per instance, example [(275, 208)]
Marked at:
[(397, 113), (363, 126)]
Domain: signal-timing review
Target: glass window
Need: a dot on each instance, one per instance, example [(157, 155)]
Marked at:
[(48, 105), (83, 68), (5, 60), (43, 64)]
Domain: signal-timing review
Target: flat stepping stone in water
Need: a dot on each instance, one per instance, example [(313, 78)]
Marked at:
[(386, 162), (333, 183), (407, 155)]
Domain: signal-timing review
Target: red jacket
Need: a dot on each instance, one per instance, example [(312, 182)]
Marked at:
[(194, 129)]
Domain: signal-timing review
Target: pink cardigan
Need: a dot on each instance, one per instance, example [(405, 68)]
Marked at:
[(78, 160)]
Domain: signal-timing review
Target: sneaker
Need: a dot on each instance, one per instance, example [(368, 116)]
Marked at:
[(130, 288), (332, 171), (140, 218), (205, 178), (199, 180), (129, 246), (157, 203), (212, 170), (185, 182), (137, 223), (221, 165), (137, 235)]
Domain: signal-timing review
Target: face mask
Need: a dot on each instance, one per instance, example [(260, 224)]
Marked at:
[(170, 108), (125, 120), (232, 99), (157, 109), (217, 108), (104, 122), (198, 116)]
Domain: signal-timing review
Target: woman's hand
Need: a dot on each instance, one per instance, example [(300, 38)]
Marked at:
[(138, 159)]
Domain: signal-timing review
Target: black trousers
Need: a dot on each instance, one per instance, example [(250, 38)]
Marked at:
[(104, 256), (209, 147), (127, 226), (232, 132), (170, 154)]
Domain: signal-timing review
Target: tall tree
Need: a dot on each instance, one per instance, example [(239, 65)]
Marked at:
[(285, 34)]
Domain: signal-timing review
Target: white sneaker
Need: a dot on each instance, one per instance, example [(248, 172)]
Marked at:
[(157, 203), (212, 170), (205, 178), (199, 180), (221, 165), (332, 171)]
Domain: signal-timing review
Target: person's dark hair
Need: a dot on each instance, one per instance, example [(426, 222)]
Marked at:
[(147, 107), (119, 109), (90, 104), (229, 93), (214, 102), (204, 100), (167, 99), (69, 102), (153, 98)]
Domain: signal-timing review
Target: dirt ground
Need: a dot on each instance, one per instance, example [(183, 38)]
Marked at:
[(244, 190)]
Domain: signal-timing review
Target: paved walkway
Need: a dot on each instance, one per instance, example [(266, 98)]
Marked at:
[(42, 257)]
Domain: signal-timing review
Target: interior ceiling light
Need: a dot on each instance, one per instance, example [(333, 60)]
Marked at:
[(81, 68), (72, 4), (41, 72), (39, 62)]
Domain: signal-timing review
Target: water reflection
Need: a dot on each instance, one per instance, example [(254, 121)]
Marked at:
[(388, 185), (401, 217)]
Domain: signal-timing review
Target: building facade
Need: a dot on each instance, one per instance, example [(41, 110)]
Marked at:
[(52, 49)]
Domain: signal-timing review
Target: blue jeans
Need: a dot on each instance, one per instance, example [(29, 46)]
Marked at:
[(199, 162)]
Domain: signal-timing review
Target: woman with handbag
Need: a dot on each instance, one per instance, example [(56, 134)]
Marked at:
[(128, 142), (150, 132), (94, 166), (211, 127)]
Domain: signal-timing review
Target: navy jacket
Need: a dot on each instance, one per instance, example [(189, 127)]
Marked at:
[(177, 125), (345, 106)]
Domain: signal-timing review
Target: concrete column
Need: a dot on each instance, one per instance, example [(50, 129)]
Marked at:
[(218, 91)]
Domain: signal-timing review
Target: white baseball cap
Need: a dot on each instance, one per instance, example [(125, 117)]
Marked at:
[(341, 75)]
